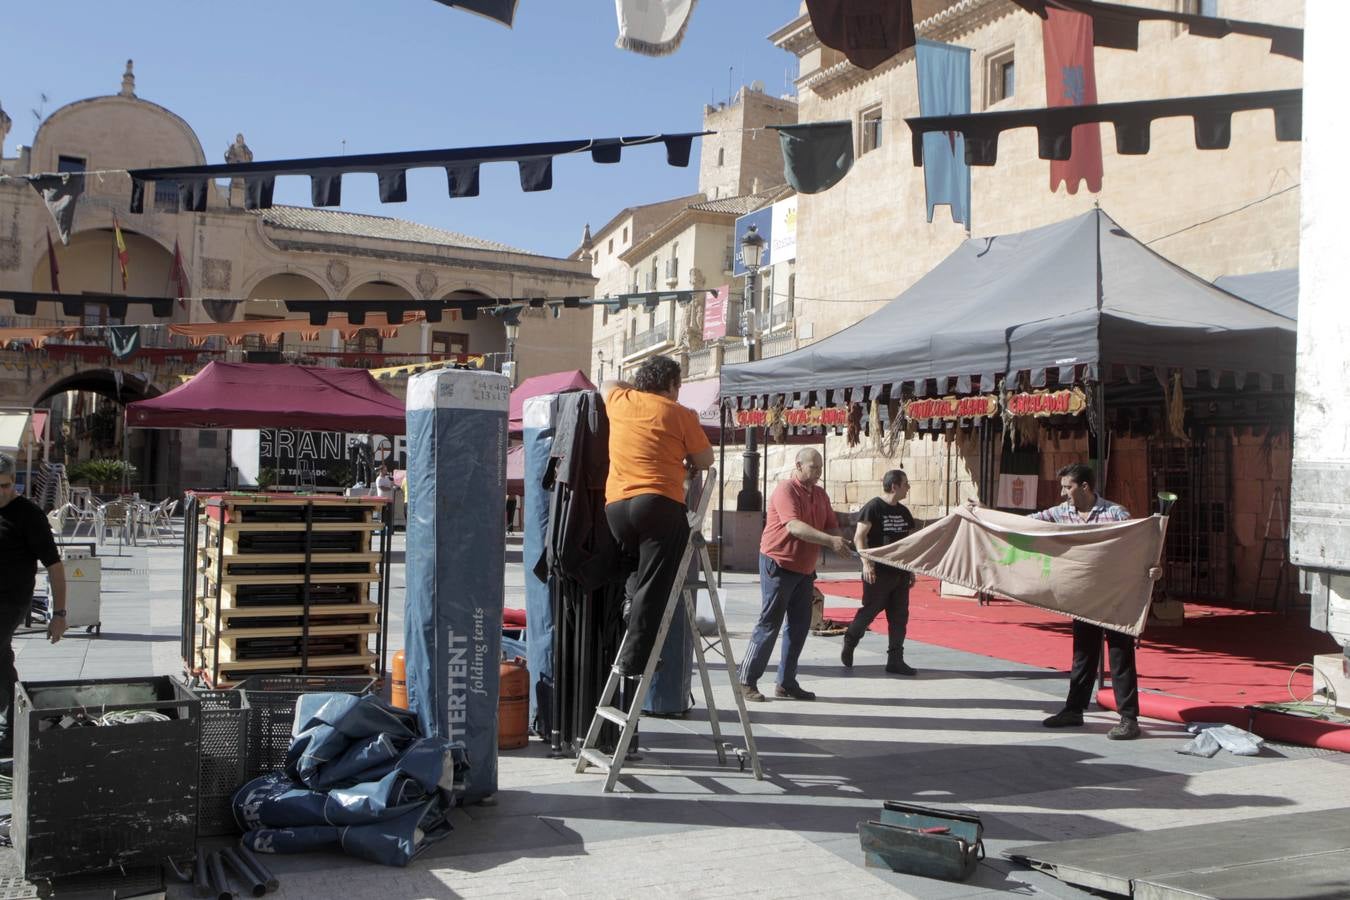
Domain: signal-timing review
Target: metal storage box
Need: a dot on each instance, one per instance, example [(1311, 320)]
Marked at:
[(94, 797), (918, 840)]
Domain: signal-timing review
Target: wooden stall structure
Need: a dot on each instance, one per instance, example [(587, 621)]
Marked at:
[(284, 584)]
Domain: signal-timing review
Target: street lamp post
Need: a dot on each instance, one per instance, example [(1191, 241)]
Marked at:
[(512, 326), (752, 253)]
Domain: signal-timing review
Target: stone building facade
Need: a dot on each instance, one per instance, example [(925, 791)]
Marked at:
[(231, 254), (686, 244)]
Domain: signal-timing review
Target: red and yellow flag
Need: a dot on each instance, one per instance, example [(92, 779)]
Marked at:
[(122, 255)]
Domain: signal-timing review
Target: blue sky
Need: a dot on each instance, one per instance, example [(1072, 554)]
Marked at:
[(300, 77)]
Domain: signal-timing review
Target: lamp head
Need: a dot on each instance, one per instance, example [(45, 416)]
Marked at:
[(752, 248)]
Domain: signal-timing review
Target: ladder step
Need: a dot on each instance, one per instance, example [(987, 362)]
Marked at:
[(596, 758), (610, 714)]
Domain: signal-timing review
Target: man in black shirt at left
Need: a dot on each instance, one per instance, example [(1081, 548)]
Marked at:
[(884, 520), (25, 540)]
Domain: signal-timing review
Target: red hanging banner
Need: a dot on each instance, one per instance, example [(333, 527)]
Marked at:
[(715, 313), (1071, 80)]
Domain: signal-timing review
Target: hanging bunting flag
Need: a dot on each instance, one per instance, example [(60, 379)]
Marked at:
[(868, 32), (652, 27), (1070, 80), (816, 155), (52, 267), (179, 277), (123, 340), (944, 90), (503, 11), (1117, 26), (60, 192), (1132, 121), (390, 169), (122, 256)]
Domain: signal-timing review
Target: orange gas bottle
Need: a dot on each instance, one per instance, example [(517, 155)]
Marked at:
[(398, 688), (513, 705)]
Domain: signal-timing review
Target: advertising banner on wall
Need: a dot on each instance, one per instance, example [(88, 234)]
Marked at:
[(784, 229), (289, 450), (777, 224), (715, 313)]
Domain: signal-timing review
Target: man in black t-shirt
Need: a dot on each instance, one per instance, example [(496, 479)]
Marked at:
[(884, 520), (25, 540)]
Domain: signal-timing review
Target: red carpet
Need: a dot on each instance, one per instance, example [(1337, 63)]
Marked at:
[(1220, 658)]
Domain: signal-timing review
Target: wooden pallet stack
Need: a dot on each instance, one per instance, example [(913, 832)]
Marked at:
[(287, 584)]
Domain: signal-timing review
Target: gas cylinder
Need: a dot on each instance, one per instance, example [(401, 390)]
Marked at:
[(513, 705), (398, 688)]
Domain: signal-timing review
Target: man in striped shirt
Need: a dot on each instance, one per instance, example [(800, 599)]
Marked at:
[(1083, 506)]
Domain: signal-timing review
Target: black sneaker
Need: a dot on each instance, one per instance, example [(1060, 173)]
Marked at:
[(752, 693), (1065, 718), (793, 692), (900, 667), (1126, 730), (846, 654)]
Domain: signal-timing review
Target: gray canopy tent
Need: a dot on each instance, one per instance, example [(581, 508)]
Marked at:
[(1077, 301), (1276, 291)]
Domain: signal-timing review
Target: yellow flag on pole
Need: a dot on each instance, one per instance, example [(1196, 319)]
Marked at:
[(122, 255)]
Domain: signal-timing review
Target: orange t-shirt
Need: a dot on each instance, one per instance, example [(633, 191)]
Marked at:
[(794, 500), (649, 438)]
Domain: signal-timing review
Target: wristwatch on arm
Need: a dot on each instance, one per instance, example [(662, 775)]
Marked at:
[(58, 614)]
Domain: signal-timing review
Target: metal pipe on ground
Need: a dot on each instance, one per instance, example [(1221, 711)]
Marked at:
[(246, 874), (220, 885), (201, 885), (249, 859)]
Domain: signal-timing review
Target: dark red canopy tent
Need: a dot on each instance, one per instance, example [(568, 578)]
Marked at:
[(253, 395), (552, 383)]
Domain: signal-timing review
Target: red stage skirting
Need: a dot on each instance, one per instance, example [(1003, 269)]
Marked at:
[(1206, 670)]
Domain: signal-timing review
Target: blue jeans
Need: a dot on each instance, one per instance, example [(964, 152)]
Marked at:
[(786, 605)]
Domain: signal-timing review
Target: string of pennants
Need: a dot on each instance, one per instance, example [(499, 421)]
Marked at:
[(508, 309), (859, 413)]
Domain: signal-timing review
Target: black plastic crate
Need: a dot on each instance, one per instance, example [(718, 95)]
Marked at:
[(93, 797), (224, 760), (271, 703)]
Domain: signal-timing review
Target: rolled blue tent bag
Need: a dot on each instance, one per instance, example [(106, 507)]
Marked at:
[(456, 560)]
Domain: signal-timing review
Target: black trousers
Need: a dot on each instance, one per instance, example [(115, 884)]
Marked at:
[(651, 531), (1087, 660), (12, 615), (890, 592)]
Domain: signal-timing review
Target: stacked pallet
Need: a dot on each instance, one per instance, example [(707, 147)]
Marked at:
[(287, 585)]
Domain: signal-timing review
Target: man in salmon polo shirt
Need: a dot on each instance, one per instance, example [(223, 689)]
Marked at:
[(652, 439), (800, 521)]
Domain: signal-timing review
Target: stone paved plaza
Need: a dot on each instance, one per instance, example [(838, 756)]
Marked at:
[(965, 733)]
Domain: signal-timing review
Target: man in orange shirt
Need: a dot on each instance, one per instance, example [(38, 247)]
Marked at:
[(652, 439), (800, 520)]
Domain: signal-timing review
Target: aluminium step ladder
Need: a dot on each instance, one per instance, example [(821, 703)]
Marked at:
[(681, 595)]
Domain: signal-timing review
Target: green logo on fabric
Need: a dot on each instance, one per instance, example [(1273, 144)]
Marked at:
[(1019, 550)]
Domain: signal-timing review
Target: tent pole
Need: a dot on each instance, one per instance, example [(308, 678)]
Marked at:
[(229, 455)]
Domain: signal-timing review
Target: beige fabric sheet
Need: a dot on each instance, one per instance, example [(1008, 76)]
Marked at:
[(1097, 572)]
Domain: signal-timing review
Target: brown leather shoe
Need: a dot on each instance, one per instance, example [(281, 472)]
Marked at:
[(752, 693)]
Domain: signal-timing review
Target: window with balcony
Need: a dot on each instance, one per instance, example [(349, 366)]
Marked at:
[(1001, 78), (447, 343), (166, 196), (869, 130), (367, 340)]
